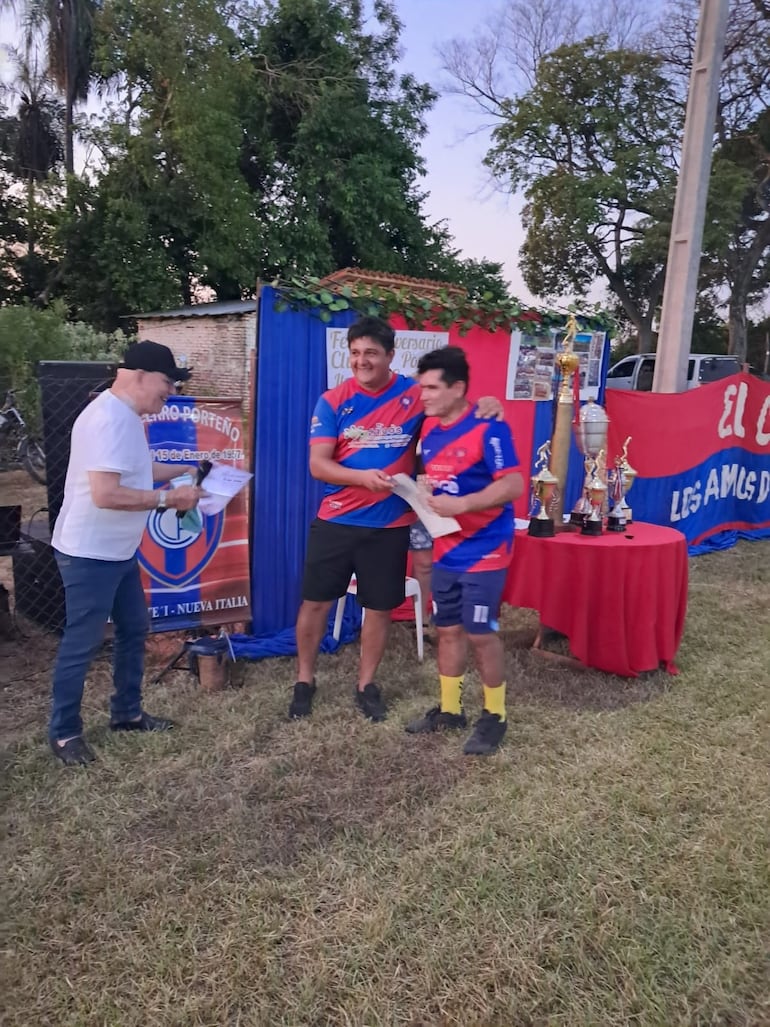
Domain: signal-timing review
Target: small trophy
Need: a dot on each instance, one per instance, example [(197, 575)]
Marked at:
[(597, 494), (616, 521), (629, 476), (582, 508), (544, 485)]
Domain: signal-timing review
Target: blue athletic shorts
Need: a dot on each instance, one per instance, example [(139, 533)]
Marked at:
[(470, 598)]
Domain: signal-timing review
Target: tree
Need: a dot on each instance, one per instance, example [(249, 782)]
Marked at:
[(248, 147), (501, 60), (11, 214), (332, 142), (483, 279), (738, 254), (504, 61), (169, 211), (33, 145), (66, 28), (592, 145), (737, 231)]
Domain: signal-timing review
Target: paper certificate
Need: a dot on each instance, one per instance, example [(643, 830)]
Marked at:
[(221, 483), (436, 525)]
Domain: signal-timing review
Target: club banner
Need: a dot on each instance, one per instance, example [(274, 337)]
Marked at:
[(702, 458), (194, 578)]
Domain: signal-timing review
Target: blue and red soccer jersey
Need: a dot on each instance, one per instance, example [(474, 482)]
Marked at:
[(370, 431), (462, 458)]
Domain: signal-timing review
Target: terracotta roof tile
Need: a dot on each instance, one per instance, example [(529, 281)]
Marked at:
[(426, 287)]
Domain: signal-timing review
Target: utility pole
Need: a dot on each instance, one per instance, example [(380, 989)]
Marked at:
[(684, 248)]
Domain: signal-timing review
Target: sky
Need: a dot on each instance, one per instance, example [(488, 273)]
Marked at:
[(483, 220)]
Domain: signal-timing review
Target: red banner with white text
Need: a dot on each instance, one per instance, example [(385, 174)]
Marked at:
[(702, 458)]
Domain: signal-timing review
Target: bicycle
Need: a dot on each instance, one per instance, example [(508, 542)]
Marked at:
[(18, 447)]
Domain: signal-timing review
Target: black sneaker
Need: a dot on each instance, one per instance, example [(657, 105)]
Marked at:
[(369, 702), (74, 752), (435, 720), (302, 701), (486, 736), (145, 723)]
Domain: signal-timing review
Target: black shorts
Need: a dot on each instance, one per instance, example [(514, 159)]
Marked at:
[(377, 557)]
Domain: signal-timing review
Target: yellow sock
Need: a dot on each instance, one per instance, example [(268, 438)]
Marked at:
[(451, 694), (494, 700)]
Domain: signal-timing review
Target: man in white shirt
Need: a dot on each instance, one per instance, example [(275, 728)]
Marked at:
[(108, 494)]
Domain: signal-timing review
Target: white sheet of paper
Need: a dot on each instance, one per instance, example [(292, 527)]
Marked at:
[(222, 483), (436, 525)]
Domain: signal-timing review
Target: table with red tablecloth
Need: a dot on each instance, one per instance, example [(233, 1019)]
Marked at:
[(620, 598)]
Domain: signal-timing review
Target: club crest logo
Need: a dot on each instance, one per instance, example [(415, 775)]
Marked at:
[(174, 556)]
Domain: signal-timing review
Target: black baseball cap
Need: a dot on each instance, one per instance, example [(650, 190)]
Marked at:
[(154, 356)]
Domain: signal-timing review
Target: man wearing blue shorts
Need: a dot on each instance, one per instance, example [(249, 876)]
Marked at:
[(472, 468)]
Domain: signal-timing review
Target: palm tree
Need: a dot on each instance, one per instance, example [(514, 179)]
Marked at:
[(66, 28), (32, 144), (37, 148)]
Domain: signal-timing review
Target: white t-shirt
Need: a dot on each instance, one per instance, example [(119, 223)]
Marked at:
[(107, 436)]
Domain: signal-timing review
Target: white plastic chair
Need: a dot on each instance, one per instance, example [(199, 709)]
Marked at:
[(412, 590)]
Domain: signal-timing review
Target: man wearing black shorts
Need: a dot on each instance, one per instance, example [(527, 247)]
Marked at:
[(362, 433)]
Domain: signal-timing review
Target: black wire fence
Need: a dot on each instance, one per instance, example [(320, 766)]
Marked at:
[(25, 528)]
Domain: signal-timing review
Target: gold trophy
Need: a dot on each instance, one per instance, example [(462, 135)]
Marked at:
[(568, 363), (628, 478), (544, 486), (616, 520), (620, 481), (591, 438), (597, 493), (582, 508)]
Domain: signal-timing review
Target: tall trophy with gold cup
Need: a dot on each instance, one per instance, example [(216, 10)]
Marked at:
[(568, 363)]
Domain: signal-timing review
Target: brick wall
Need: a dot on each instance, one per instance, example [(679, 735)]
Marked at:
[(218, 349)]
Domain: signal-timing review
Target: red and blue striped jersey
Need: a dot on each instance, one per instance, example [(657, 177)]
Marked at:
[(370, 431), (462, 458)]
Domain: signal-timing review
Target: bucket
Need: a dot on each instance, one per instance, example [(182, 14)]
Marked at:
[(210, 660)]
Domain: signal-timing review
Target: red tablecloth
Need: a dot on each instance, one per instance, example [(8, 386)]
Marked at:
[(620, 601)]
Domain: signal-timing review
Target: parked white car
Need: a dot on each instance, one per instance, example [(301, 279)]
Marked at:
[(636, 372)]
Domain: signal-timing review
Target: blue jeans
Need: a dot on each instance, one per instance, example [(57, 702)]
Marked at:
[(94, 590)]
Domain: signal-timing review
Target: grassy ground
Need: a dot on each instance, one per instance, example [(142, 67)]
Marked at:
[(610, 866)]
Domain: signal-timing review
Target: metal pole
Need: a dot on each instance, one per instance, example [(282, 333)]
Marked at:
[(684, 249)]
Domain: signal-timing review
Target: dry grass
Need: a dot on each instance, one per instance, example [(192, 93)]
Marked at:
[(609, 867)]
